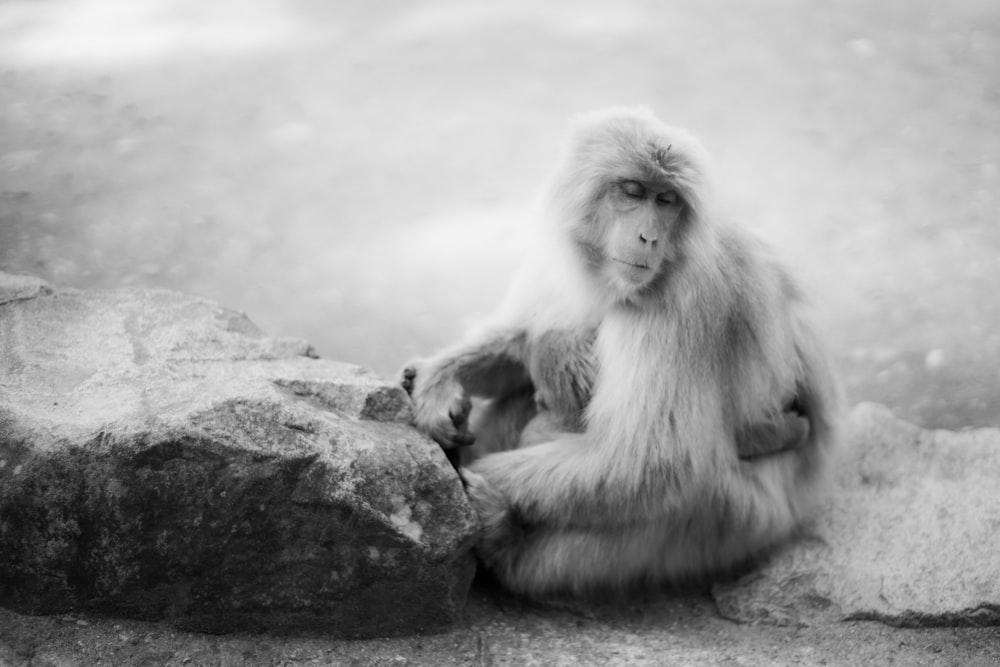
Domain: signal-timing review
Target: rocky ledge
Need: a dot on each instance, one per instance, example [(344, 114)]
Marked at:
[(911, 536), (160, 458)]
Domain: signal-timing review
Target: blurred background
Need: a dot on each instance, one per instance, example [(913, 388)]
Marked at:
[(356, 172)]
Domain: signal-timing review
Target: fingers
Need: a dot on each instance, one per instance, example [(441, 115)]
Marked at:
[(501, 528), (454, 438), (488, 501), (541, 401), (454, 432), (794, 430), (407, 381), (459, 412), (447, 435), (442, 416), (459, 416), (787, 432)]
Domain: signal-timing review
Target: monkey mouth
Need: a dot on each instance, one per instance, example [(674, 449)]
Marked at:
[(632, 264), (631, 274)]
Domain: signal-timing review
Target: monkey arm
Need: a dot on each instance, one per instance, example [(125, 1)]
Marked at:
[(808, 413), (491, 364)]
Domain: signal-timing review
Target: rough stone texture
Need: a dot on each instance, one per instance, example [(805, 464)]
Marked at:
[(161, 458), (912, 536)]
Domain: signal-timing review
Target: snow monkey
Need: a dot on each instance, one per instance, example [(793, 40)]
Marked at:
[(657, 406)]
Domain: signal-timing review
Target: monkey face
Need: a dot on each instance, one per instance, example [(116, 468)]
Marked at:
[(640, 224)]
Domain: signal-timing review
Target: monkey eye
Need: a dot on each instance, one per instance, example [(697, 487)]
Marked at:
[(633, 189), (665, 198)]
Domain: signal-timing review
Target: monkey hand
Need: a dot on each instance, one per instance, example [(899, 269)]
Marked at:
[(501, 527), (440, 409), (785, 432), (409, 377)]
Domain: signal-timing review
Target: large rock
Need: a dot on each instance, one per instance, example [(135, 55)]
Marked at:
[(911, 537), (161, 458)]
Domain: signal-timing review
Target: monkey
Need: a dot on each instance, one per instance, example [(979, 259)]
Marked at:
[(707, 412)]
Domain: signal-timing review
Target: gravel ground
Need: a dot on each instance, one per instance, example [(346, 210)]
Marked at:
[(355, 173)]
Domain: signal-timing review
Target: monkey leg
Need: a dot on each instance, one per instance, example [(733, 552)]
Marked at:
[(545, 561), (542, 535), (541, 561)]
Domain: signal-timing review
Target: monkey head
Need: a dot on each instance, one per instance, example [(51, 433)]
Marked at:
[(629, 189)]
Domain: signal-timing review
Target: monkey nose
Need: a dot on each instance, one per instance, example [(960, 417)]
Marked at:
[(646, 237)]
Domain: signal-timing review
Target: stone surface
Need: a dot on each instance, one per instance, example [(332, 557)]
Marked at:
[(161, 458), (911, 537)]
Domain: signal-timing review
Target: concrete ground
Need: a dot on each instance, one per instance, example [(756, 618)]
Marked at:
[(354, 173)]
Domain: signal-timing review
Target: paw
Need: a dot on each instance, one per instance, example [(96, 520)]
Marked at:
[(489, 502), (501, 528), (408, 378), (441, 410), (444, 416), (542, 400), (786, 432)]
